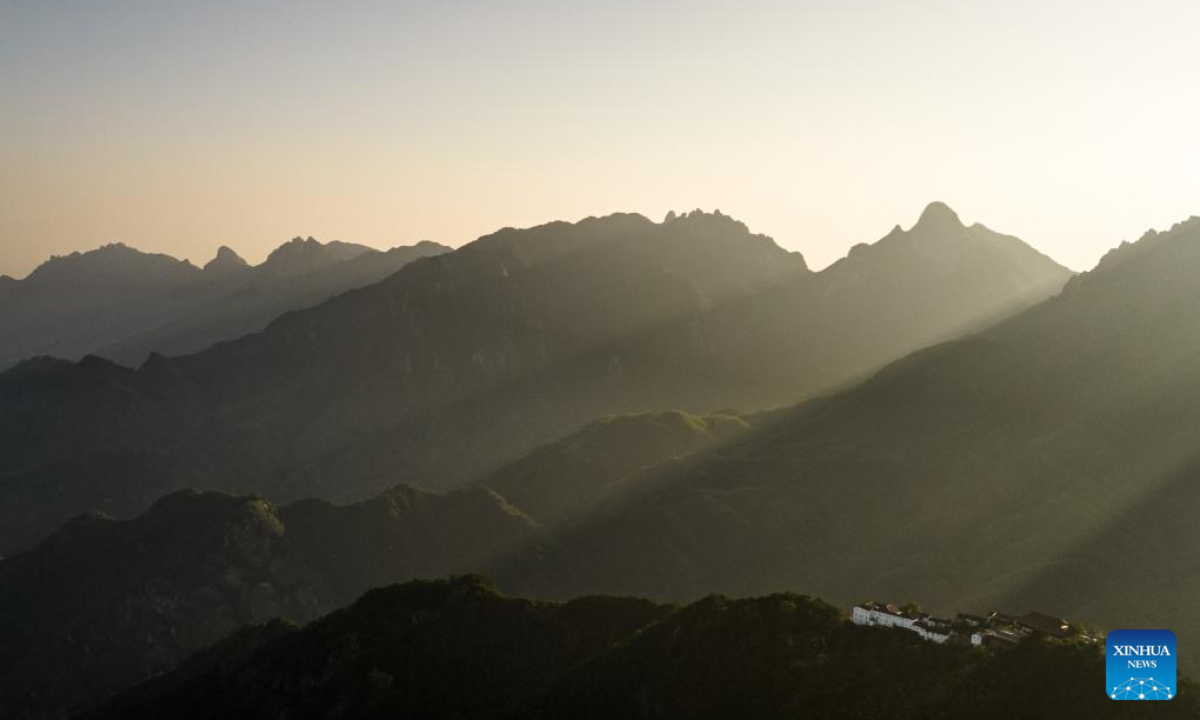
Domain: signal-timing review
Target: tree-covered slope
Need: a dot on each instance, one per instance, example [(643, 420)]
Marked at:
[(457, 649), (102, 604)]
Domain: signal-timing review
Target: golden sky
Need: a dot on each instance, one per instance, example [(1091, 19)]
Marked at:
[(179, 127)]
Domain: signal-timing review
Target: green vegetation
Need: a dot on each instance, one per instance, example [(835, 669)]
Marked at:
[(458, 649), (103, 604)]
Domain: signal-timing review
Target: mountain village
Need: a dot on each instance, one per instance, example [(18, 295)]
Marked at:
[(996, 628)]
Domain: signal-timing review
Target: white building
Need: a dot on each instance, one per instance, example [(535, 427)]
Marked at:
[(879, 615), (873, 613), (933, 630)]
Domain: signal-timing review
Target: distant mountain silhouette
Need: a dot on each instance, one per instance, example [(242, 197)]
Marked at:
[(460, 363), (288, 280), (77, 303), (458, 649), (305, 255), (124, 304), (1048, 460), (910, 289), (226, 262)]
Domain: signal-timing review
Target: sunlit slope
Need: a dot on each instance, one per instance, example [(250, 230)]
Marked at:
[(462, 362), (1046, 461)]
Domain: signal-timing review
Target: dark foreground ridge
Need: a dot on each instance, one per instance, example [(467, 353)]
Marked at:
[(457, 649)]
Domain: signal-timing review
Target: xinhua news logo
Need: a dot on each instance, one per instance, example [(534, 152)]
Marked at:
[(1140, 665)]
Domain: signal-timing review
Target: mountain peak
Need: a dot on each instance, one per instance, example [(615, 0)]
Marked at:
[(294, 246), (112, 262), (938, 214), (1148, 242), (708, 222), (304, 254), (225, 261)]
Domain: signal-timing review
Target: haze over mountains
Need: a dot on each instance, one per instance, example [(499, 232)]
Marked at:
[(103, 603), (451, 372), (462, 362), (897, 465), (1047, 461), (123, 304), (464, 415)]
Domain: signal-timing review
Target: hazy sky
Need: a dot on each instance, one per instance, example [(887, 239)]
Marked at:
[(177, 127)]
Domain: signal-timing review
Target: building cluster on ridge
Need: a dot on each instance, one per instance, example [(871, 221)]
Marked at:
[(996, 628)]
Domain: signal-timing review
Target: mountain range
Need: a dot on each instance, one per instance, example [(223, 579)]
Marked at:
[(1047, 460), (460, 363), (123, 304), (1042, 457)]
